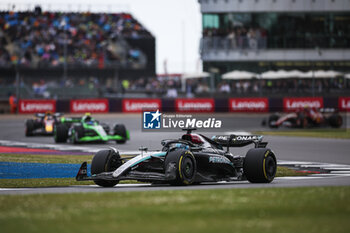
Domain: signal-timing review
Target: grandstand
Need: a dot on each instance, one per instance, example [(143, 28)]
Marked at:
[(55, 49), (271, 35)]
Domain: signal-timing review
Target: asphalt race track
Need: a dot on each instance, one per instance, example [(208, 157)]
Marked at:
[(286, 148)]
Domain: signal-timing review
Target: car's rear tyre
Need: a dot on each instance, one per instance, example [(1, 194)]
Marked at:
[(182, 164), (60, 133), (29, 128), (120, 130), (260, 165), (105, 161), (335, 120), (272, 121)]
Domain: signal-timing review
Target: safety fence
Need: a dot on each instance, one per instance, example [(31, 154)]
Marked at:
[(196, 105)]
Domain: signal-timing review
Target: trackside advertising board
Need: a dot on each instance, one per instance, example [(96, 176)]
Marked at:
[(248, 105), (194, 105), (344, 104), (291, 104), (36, 106), (89, 105), (137, 105)]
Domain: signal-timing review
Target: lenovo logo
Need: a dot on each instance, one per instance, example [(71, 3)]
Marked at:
[(96, 105), (303, 104), (86, 107), (36, 106), (135, 105), (249, 105), (297, 103), (195, 105)]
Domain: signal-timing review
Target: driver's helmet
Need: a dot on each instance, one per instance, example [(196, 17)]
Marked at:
[(48, 115), (88, 119), (307, 108)]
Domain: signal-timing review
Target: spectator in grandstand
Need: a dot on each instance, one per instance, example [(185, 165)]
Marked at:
[(232, 39), (171, 90), (125, 85), (202, 88), (39, 88), (238, 87), (189, 88), (255, 88), (245, 86), (224, 87), (252, 40)]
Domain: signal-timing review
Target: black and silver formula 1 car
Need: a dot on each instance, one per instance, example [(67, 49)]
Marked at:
[(87, 129), (42, 124), (305, 118), (192, 159)]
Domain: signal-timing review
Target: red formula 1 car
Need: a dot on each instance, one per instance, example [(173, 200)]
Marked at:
[(306, 118)]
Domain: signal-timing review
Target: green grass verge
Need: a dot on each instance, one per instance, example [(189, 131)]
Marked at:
[(33, 158), (62, 182), (316, 133), (311, 210), (48, 182)]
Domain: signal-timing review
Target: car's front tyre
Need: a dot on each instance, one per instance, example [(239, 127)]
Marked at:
[(105, 161), (60, 133), (29, 128)]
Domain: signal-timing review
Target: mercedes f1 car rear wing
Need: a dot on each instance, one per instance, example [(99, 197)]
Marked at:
[(239, 140)]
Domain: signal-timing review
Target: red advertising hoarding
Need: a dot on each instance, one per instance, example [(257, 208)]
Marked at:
[(194, 105), (248, 105), (89, 105), (36, 106), (344, 104), (137, 105), (291, 104)]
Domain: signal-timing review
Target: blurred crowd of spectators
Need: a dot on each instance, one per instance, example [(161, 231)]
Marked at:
[(153, 85), (37, 39), (201, 87), (174, 87), (169, 87), (236, 38)]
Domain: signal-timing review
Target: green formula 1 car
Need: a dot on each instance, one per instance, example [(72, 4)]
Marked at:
[(87, 129)]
